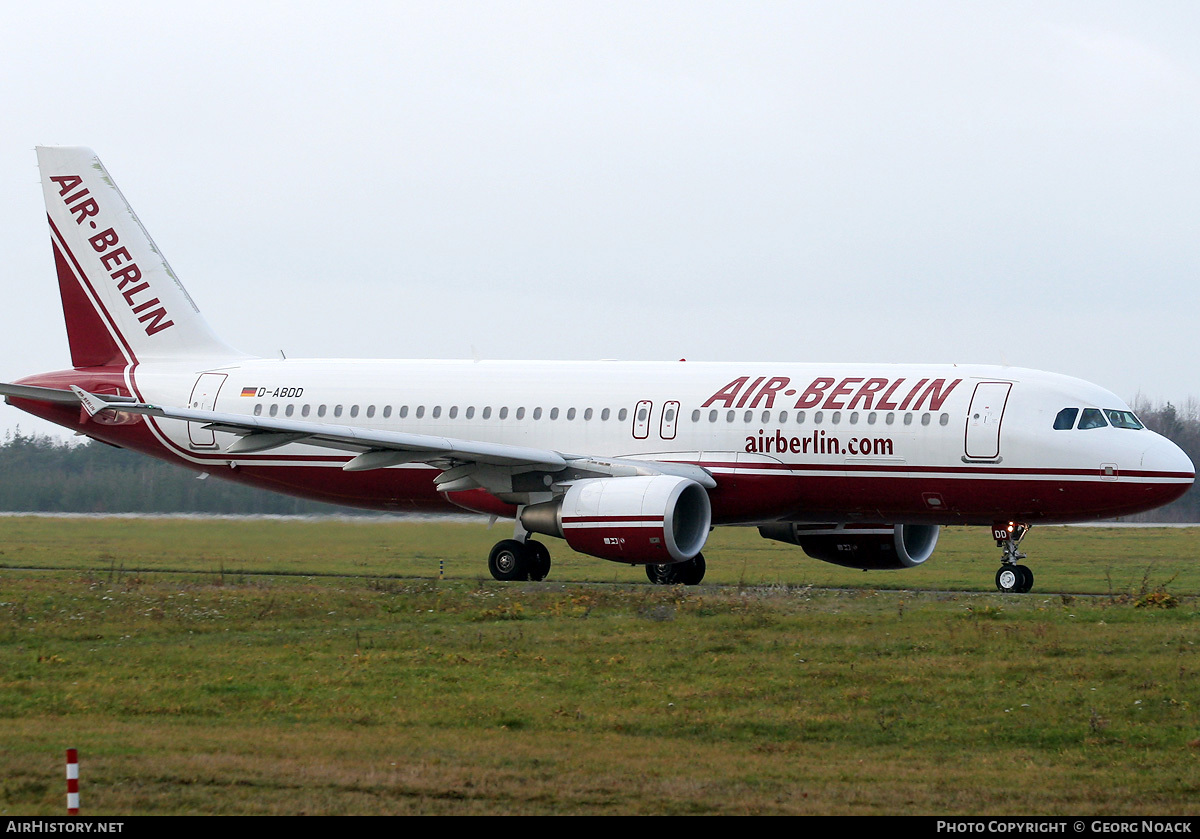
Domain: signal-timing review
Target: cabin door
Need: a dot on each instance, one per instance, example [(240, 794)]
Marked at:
[(984, 418), (204, 398)]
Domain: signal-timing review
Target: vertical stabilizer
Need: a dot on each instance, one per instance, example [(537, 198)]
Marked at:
[(121, 300)]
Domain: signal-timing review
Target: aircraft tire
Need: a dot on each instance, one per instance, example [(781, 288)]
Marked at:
[(1008, 579), (509, 561), (691, 573), (1026, 583), (663, 575), (539, 560), (688, 573)]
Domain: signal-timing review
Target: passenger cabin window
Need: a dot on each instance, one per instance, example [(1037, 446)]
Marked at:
[(1092, 418)]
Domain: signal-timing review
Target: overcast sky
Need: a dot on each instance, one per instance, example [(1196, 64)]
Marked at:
[(1013, 183)]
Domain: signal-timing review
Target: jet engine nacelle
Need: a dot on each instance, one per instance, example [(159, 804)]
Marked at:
[(651, 519), (874, 547)]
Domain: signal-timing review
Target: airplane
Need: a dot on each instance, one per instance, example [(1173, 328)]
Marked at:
[(856, 464)]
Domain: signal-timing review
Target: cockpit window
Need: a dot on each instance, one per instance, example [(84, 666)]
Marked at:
[(1092, 418), (1122, 419), (1065, 419)]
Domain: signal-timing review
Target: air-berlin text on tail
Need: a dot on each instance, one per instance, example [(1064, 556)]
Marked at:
[(116, 260), (827, 392)]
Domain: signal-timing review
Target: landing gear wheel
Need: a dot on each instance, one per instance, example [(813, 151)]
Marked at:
[(1008, 579), (663, 574), (539, 560), (1026, 583), (687, 573), (692, 571), (510, 560)]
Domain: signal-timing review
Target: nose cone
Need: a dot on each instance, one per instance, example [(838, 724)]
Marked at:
[(1164, 456), (1168, 465)]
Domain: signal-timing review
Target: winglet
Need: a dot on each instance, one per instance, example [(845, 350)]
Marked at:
[(91, 403)]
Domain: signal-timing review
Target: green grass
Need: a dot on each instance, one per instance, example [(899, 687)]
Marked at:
[(213, 690), (1077, 560)]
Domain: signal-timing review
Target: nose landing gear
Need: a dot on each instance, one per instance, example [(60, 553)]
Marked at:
[(1012, 578)]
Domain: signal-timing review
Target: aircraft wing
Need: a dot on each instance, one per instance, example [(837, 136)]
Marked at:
[(465, 464)]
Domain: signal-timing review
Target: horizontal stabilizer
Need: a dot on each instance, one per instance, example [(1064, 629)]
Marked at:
[(48, 394)]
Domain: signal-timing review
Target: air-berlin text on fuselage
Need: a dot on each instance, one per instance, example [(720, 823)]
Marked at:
[(829, 393), (116, 261)]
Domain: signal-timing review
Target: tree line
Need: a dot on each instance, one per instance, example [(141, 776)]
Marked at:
[(42, 474), (39, 473), (1182, 426)]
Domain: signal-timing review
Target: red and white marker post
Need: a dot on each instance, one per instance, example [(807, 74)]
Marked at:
[(72, 782)]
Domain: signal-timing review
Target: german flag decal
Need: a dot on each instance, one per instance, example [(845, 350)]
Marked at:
[(249, 391)]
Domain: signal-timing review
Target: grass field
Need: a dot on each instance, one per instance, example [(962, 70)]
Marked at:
[(353, 680)]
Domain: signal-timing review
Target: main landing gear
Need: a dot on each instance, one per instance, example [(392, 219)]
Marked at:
[(513, 560), (687, 573), (1012, 578)]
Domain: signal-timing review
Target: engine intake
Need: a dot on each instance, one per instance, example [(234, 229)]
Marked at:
[(875, 547), (651, 519)]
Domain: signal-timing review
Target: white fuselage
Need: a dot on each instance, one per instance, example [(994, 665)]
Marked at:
[(814, 441)]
